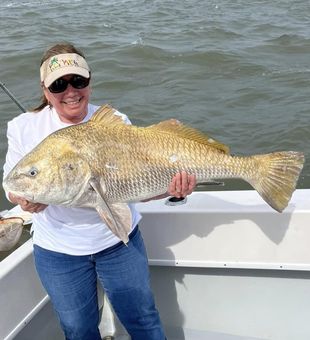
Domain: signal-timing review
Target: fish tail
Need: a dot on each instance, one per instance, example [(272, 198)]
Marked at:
[(277, 177)]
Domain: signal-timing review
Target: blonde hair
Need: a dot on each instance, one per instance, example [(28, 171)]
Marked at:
[(54, 50)]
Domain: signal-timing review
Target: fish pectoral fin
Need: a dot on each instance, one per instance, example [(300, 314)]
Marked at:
[(117, 216)]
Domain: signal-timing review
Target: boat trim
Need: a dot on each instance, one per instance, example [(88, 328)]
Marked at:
[(27, 318)]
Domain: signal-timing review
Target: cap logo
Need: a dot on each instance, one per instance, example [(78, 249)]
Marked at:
[(56, 63)]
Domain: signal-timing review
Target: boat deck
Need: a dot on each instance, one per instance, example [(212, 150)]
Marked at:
[(45, 323), (224, 266)]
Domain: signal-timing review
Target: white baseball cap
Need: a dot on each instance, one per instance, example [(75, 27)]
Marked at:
[(60, 65)]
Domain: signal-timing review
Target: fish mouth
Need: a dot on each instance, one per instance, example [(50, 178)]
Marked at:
[(23, 195)]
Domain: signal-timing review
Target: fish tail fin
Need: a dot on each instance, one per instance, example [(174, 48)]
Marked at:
[(278, 173)]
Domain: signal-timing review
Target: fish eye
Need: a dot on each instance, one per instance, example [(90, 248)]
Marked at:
[(33, 172)]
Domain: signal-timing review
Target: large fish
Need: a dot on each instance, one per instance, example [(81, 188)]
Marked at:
[(104, 163)]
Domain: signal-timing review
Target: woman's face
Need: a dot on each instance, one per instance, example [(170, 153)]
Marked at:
[(71, 104)]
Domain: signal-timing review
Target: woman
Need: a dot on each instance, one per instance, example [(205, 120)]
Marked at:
[(72, 246)]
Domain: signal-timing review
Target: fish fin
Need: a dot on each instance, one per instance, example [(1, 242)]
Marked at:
[(106, 114), (176, 127), (117, 216), (278, 173)]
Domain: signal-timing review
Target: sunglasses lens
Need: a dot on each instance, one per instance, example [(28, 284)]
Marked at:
[(79, 82), (60, 85)]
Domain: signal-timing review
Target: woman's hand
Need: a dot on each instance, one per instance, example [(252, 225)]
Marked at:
[(182, 184), (26, 205)]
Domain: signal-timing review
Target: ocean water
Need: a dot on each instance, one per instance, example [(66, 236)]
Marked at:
[(237, 70)]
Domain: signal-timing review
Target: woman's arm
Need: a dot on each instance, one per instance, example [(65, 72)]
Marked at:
[(14, 154)]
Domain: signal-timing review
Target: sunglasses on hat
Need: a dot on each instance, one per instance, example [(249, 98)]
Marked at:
[(61, 84)]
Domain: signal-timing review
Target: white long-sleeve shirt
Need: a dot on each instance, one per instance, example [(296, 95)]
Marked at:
[(74, 231)]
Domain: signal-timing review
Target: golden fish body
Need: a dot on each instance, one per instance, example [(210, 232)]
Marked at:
[(104, 163)]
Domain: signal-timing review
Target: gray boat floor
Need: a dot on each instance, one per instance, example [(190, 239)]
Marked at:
[(196, 335), (205, 335), (44, 326)]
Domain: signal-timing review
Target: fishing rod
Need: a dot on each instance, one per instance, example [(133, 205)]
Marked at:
[(10, 94)]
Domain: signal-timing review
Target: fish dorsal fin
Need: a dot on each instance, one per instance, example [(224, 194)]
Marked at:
[(106, 115), (174, 126)]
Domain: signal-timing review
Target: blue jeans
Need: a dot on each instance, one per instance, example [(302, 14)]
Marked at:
[(71, 283)]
